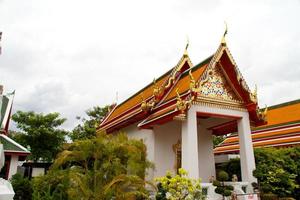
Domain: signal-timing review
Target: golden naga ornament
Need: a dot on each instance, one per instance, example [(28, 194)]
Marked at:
[(180, 104), (146, 106), (262, 114), (253, 95), (183, 105), (194, 86), (157, 91)]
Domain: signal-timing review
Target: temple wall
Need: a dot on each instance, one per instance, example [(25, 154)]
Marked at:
[(147, 136), (165, 137), (13, 166), (159, 143)]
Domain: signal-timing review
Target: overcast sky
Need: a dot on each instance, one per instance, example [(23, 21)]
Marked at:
[(67, 56)]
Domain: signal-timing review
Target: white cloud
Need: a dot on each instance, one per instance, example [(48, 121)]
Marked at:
[(67, 56)]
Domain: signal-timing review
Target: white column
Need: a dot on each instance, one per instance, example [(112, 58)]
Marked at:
[(189, 144), (206, 154), (246, 150), (150, 142), (13, 166)]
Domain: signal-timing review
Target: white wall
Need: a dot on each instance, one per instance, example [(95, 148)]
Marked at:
[(159, 142), (38, 171), (205, 147), (165, 137), (205, 154), (147, 136), (13, 166)]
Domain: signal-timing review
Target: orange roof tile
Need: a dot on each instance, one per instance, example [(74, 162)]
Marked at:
[(136, 98), (283, 123), (283, 113), (286, 141)]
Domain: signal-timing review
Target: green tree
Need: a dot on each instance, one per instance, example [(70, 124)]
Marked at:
[(87, 127), (104, 167), (277, 171), (41, 133)]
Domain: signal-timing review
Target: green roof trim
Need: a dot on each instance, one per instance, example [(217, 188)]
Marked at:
[(276, 125), (284, 104)]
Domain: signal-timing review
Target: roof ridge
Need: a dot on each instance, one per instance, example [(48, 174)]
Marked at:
[(162, 76)]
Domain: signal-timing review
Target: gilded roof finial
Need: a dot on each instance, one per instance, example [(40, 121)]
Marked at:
[(253, 95), (225, 33), (186, 46)]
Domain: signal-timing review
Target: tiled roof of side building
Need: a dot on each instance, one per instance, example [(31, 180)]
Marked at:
[(285, 113), (10, 145), (282, 129)]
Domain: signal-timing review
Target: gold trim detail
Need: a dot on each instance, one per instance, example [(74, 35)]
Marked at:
[(183, 105), (177, 151), (215, 85), (218, 104), (146, 106), (253, 95), (262, 114), (194, 86), (157, 91), (180, 117)]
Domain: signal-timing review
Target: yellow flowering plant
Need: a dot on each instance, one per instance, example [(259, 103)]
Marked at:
[(178, 187)]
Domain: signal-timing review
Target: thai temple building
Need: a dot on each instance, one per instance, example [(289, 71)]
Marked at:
[(178, 114), (282, 130), (13, 151)]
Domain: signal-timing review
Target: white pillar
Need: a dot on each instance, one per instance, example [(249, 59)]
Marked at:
[(189, 144), (13, 166), (206, 154), (150, 142), (246, 150)]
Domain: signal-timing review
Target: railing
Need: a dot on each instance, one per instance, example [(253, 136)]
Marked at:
[(239, 192)]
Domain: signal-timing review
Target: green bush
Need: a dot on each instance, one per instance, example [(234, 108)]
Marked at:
[(178, 187), (221, 188), (22, 187), (222, 176), (277, 171), (107, 167), (232, 167)]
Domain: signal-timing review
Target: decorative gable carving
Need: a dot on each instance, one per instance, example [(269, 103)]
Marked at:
[(215, 85)]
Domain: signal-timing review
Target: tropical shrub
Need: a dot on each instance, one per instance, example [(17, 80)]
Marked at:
[(277, 171), (22, 187), (232, 167), (221, 188), (178, 187), (106, 167)]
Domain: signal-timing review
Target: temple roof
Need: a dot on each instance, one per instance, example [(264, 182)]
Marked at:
[(10, 146), (170, 96), (282, 129)]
